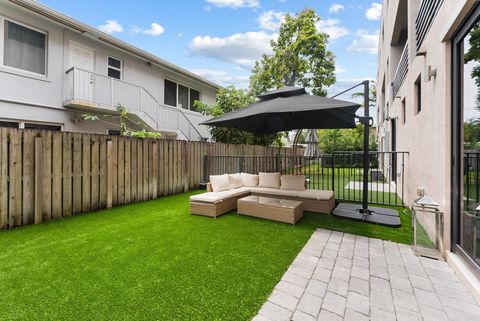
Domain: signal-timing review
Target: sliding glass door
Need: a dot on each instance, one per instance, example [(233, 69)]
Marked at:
[(466, 140)]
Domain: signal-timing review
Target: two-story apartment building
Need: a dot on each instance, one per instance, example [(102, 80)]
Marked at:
[(428, 105), (54, 68)]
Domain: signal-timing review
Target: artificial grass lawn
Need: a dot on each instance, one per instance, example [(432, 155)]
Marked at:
[(154, 261)]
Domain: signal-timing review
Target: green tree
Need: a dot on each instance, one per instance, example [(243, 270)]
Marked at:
[(331, 140), (300, 57), (473, 54), (230, 99)]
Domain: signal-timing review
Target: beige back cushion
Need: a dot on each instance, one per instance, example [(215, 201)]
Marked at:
[(235, 181), (249, 180), (220, 182), (295, 182), (271, 180)]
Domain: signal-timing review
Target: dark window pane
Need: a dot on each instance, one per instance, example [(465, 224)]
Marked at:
[(182, 97), (114, 132), (112, 62), (24, 48), (114, 73), (194, 96), (170, 93), (44, 127)]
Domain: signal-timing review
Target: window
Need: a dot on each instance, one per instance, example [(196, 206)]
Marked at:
[(24, 48), (418, 94), (114, 68), (180, 96), (114, 132), (8, 124), (404, 111), (170, 93), (43, 127), (194, 96)]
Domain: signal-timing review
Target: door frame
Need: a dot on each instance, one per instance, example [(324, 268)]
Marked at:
[(456, 136)]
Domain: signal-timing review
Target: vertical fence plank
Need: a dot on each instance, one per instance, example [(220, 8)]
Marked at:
[(140, 170), (47, 175), (134, 172), (95, 173), (38, 195), (67, 174), (115, 170), (3, 178), (86, 184), (110, 173), (154, 179), (77, 174), (28, 177), (146, 175), (128, 170), (15, 205), (57, 175), (103, 172), (121, 171)]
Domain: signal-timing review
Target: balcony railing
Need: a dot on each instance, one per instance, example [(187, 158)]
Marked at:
[(426, 14), (401, 71), (91, 90)]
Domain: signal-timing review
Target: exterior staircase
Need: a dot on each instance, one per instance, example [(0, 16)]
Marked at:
[(96, 93)]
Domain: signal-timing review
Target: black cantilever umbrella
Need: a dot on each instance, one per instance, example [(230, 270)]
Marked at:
[(289, 108)]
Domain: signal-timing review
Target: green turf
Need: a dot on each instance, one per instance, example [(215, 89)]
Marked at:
[(154, 261)]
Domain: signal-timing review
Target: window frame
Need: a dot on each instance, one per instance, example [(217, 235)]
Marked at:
[(177, 96), (404, 111), (16, 70), (115, 68), (417, 91)]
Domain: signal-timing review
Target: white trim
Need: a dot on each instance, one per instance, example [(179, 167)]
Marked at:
[(15, 70)]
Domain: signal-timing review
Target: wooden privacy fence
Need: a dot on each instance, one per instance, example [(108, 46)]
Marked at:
[(48, 175)]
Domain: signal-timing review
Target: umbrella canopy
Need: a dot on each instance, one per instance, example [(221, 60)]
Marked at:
[(289, 108), (312, 150)]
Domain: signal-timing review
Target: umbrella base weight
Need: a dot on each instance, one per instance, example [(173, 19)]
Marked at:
[(375, 215)]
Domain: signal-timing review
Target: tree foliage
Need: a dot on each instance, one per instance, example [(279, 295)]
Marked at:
[(300, 57), (125, 122), (230, 99), (331, 140), (473, 54)]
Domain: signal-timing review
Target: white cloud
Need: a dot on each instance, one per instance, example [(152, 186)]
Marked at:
[(366, 42), (242, 49), (335, 8), (332, 28), (339, 70), (222, 77), (374, 12), (235, 3), (271, 20), (111, 26), (155, 29)]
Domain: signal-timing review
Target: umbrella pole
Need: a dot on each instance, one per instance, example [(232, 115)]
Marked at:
[(366, 147)]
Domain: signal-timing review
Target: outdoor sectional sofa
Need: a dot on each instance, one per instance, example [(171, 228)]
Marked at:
[(221, 199)]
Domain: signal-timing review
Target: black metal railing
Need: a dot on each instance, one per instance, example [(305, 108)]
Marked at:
[(401, 71), (426, 14), (471, 179), (341, 172)]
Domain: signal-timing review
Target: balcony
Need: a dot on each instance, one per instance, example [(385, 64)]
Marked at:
[(426, 14), (96, 93), (401, 71)]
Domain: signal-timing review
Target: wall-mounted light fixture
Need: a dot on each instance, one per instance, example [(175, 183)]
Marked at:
[(430, 73)]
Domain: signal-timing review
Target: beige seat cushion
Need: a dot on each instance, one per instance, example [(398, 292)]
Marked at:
[(271, 180), (220, 182), (274, 191), (314, 194), (249, 180), (215, 197), (293, 182), (235, 180)]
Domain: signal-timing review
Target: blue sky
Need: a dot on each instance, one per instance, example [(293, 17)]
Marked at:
[(220, 39)]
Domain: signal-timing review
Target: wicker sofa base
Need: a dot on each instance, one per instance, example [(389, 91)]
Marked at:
[(284, 215), (214, 209)]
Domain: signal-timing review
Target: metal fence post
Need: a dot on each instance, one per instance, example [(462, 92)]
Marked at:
[(333, 171)]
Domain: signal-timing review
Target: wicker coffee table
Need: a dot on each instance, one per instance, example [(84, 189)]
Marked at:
[(286, 211)]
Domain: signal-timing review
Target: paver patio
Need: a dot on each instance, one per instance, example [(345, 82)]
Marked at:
[(340, 276)]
